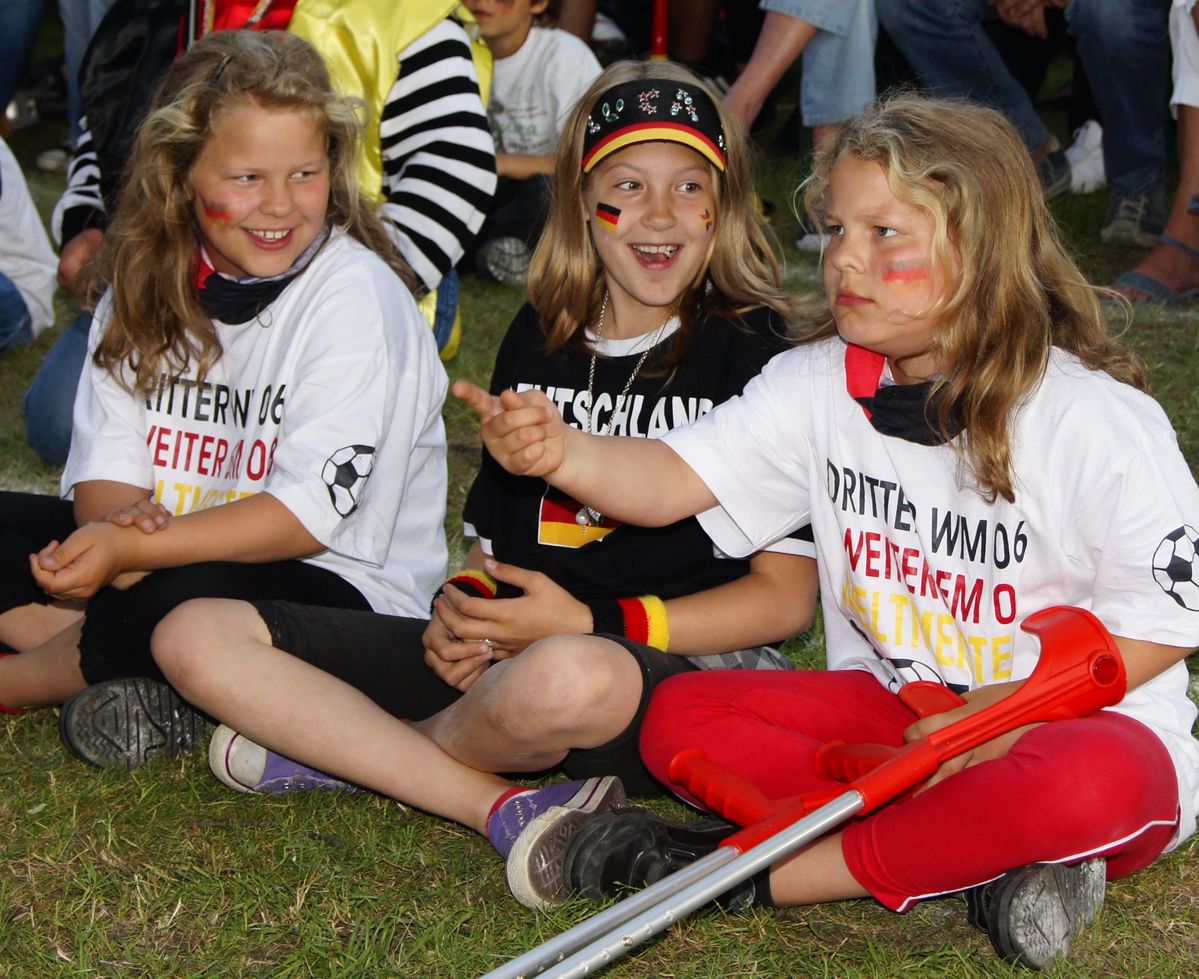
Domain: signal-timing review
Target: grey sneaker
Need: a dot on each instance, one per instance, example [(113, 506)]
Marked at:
[(245, 766), (506, 260), (125, 723), (1135, 221), (1054, 174), (1033, 914)]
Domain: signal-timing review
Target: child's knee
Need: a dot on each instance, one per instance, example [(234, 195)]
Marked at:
[(564, 680), (186, 641)]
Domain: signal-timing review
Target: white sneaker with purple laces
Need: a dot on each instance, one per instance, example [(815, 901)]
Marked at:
[(531, 828), (248, 767)]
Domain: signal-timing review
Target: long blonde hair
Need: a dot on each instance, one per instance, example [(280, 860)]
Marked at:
[(157, 324), (1017, 293), (565, 277)]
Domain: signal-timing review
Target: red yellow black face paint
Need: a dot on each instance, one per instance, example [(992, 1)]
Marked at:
[(912, 270), (706, 217), (607, 215), (215, 212)]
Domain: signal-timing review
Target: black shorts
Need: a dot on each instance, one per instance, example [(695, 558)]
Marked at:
[(383, 656), (118, 623), (621, 756)]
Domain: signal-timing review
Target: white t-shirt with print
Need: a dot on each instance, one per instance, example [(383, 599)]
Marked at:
[(534, 89), (330, 401), (922, 579)]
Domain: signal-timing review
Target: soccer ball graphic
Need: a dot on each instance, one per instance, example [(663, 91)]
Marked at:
[(1176, 566), (345, 474)]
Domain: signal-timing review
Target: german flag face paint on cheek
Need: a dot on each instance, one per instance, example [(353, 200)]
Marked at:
[(906, 272), (217, 213), (606, 215), (706, 217)]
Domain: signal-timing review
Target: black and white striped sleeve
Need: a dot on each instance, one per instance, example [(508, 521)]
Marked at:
[(81, 205), (438, 154)]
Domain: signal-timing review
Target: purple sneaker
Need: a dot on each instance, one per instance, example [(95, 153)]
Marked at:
[(248, 767), (531, 830)]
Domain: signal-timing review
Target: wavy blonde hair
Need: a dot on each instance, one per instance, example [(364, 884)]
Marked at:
[(1017, 291), (157, 324), (742, 272)]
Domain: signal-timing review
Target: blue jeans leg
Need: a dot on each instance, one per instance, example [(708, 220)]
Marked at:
[(80, 18), (944, 42), (50, 401), (838, 69), (1124, 46), (19, 23), (16, 326)]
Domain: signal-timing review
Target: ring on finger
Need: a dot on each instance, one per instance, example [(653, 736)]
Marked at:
[(489, 644)]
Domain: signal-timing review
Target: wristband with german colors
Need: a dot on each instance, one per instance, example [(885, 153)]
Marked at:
[(472, 581), (641, 619)]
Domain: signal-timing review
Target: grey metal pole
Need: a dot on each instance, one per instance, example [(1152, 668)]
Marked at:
[(602, 939)]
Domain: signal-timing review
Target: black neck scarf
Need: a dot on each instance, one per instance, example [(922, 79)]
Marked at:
[(239, 301), (905, 411)]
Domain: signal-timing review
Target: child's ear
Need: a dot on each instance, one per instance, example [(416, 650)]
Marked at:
[(539, 7)]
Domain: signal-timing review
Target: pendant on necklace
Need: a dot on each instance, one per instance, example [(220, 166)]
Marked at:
[(587, 517)]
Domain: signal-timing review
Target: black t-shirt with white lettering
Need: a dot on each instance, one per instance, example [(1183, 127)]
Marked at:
[(525, 522)]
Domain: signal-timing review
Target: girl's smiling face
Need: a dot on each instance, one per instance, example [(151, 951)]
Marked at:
[(260, 189), (880, 276), (652, 210)]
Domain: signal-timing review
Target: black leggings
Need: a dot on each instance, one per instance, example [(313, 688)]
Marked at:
[(118, 624)]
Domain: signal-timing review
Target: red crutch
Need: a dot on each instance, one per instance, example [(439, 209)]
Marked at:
[(1079, 672)]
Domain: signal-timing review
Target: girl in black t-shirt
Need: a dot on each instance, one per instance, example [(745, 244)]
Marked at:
[(655, 295)]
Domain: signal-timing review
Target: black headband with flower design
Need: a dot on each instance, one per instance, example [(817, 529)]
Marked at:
[(653, 109)]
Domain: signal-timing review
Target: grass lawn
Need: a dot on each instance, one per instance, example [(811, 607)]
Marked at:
[(163, 872)]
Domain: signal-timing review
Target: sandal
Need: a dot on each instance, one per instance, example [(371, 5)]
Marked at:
[(1155, 290)]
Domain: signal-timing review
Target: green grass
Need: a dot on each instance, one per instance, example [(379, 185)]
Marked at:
[(163, 872)]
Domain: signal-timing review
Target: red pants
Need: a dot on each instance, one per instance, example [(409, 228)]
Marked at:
[(1102, 785)]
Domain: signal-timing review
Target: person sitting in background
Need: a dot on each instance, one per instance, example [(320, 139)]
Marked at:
[(27, 261), (539, 73), (1169, 274), (1124, 47), (429, 162)]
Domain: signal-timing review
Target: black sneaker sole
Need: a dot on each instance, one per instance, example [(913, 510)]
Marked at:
[(124, 723), (629, 849)]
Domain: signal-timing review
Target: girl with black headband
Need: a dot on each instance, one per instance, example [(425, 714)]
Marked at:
[(261, 413), (655, 295)]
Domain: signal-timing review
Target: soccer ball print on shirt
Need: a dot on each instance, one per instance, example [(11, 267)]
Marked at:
[(1176, 566), (345, 474)]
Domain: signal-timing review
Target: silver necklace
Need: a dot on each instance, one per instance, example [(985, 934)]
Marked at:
[(589, 516)]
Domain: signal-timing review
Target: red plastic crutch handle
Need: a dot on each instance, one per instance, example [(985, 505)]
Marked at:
[(1079, 672), (845, 762)]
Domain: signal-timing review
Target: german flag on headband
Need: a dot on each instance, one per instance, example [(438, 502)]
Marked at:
[(652, 109)]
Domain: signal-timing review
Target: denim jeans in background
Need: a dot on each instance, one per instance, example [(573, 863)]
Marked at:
[(19, 23), (838, 63), (50, 401), (1124, 46), (80, 18), (16, 325)]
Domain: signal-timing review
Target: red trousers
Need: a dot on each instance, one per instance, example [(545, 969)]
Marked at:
[(1102, 785)]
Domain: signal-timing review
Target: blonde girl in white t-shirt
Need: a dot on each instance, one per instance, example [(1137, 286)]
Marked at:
[(257, 368), (964, 384)]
